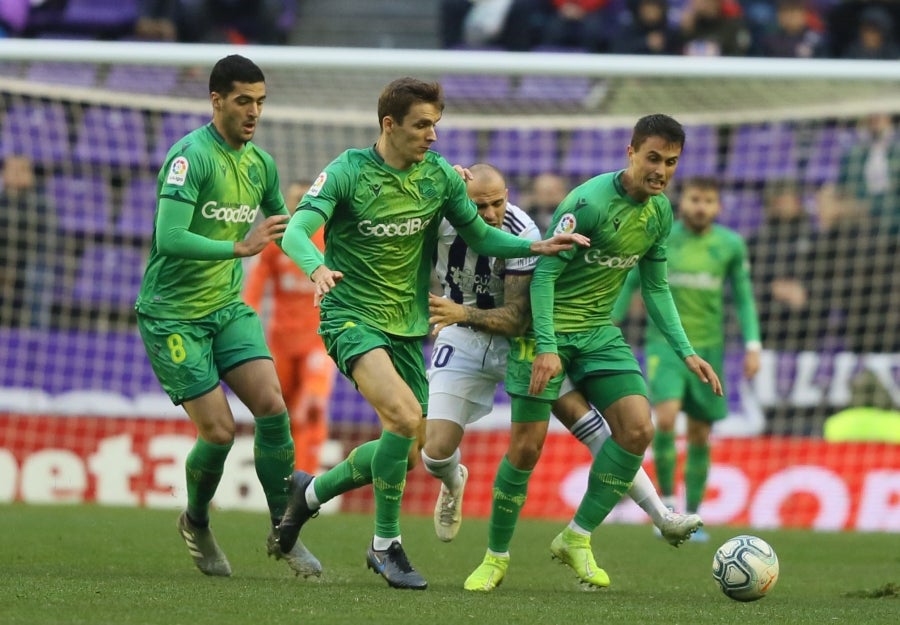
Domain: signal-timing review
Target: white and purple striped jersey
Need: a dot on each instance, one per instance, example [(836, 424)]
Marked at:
[(470, 279)]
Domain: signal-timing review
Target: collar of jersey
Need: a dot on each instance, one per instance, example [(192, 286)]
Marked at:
[(221, 140)]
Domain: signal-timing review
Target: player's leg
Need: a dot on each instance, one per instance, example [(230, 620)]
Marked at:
[(667, 379), (181, 356), (586, 424)]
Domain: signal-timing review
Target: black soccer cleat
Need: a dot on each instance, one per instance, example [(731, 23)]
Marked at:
[(298, 511), (393, 565)]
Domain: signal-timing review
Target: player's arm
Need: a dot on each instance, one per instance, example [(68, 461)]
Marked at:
[(623, 303), (489, 241), (273, 200), (546, 362), (511, 319), (742, 287)]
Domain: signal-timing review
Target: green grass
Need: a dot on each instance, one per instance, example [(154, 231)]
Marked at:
[(94, 565)]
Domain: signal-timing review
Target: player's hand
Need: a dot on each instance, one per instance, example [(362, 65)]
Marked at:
[(751, 363), (325, 279), (271, 229), (544, 367), (705, 372), (443, 312), (464, 173), (559, 243)]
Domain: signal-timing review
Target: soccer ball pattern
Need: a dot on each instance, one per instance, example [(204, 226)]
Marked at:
[(745, 567)]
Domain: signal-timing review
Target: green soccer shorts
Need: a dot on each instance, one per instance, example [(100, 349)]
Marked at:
[(346, 340), (190, 356), (670, 379)]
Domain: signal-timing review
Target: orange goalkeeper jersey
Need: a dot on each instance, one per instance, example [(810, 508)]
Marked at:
[(293, 316)]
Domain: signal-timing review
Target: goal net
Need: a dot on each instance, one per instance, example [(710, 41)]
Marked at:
[(82, 417)]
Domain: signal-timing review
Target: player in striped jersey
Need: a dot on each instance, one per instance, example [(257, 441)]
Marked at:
[(486, 301)]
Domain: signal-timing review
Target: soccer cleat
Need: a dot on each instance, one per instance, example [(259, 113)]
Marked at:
[(302, 562), (700, 536), (298, 512), (488, 575), (393, 565), (448, 509), (676, 528), (203, 548), (574, 550)]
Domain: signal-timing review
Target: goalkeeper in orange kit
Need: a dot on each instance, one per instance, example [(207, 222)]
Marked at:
[(305, 371)]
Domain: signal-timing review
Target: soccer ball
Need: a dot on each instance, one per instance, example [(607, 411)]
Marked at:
[(745, 567)]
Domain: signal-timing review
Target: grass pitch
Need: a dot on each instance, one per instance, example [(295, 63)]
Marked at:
[(126, 566)]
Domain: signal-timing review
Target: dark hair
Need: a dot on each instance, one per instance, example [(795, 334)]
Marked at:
[(707, 183), (657, 125), (398, 97), (231, 69)]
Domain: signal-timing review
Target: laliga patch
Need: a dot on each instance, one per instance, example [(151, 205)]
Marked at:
[(566, 224), (178, 171), (317, 185)]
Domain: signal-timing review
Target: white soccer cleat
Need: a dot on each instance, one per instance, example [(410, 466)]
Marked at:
[(676, 528), (204, 549), (448, 510)]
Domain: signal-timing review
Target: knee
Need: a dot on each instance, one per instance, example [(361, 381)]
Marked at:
[(524, 455), (637, 436), (218, 433)]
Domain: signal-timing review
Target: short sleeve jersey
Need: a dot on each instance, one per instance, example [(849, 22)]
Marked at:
[(227, 189), (381, 232), (622, 233), (471, 279), (699, 266)]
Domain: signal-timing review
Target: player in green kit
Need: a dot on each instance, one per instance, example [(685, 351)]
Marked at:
[(382, 207), (627, 218), (703, 257), (195, 327)]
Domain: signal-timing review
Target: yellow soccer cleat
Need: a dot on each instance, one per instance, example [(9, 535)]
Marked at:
[(574, 550), (488, 575)]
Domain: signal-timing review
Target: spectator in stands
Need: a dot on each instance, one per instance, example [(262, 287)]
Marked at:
[(793, 35), (779, 254), (304, 369), (648, 30), (216, 21), (509, 24), (869, 172), (714, 28), (871, 416), (27, 239), (547, 192), (580, 24), (875, 37), (843, 21)]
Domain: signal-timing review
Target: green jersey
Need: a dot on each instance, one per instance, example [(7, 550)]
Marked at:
[(585, 282), (699, 267), (381, 232), (226, 188)]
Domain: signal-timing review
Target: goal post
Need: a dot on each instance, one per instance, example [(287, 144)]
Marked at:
[(95, 120)]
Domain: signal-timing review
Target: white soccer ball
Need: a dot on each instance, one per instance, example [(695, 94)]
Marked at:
[(745, 567)]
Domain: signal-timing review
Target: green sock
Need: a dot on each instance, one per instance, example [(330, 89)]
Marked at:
[(665, 457), (696, 470), (610, 478), (510, 491), (203, 470), (389, 466), (352, 472), (273, 454)]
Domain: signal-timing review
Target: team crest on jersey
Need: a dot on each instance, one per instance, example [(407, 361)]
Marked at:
[(427, 189), (566, 224), (178, 171), (253, 174), (317, 185)]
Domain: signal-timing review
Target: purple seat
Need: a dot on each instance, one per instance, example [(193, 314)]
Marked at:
[(154, 79), (74, 74), (60, 361), (523, 152), (171, 128), (83, 203), (100, 15), (742, 210), (108, 276), (138, 210), (574, 89), (476, 87), (762, 152), (701, 152), (458, 145), (40, 131), (824, 155), (112, 136), (596, 150)]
